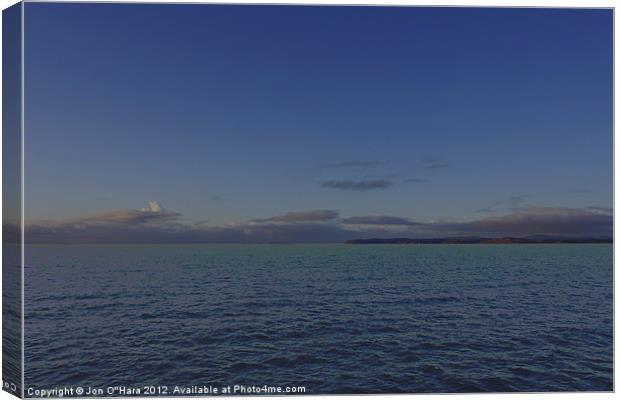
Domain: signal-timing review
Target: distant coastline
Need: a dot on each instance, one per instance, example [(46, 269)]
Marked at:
[(477, 240)]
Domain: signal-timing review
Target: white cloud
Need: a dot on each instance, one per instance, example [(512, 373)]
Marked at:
[(154, 207)]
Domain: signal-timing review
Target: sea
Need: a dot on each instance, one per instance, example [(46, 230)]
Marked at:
[(319, 319)]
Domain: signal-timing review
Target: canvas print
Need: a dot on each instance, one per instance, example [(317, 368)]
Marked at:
[(208, 199)]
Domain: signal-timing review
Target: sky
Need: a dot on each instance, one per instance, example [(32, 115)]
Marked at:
[(212, 123)]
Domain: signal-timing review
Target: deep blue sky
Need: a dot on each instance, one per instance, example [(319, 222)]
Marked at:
[(231, 113)]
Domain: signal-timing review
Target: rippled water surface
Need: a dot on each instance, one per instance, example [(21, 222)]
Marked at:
[(332, 318)]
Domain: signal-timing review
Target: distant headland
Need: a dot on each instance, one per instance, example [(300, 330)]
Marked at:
[(479, 240)]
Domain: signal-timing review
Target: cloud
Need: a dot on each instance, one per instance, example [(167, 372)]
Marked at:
[(154, 224), (128, 233), (484, 210), (416, 180), (153, 213), (247, 232), (605, 210), (432, 163), (525, 221), (379, 220), (295, 233), (361, 164), (303, 216), (153, 207), (359, 185), (161, 226), (158, 225), (128, 217)]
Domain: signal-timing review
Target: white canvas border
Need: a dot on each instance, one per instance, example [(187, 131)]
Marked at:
[(479, 3)]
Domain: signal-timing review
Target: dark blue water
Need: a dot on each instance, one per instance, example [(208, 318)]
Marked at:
[(332, 318), (11, 318)]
